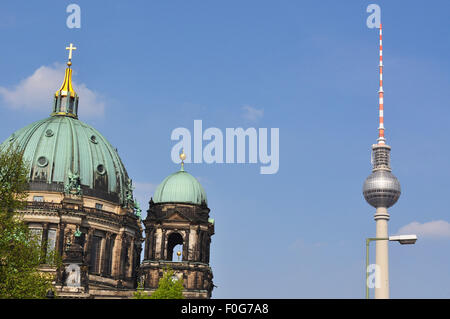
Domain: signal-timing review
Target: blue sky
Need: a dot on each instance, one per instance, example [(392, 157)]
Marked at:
[(310, 69)]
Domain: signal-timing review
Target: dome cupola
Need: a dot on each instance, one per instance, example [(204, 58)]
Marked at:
[(180, 187)]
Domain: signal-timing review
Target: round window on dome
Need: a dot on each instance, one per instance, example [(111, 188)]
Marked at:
[(94, 139), (101, 169), (42, 161), (49, 133)]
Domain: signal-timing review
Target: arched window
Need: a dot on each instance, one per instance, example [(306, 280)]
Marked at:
[(174, 245)]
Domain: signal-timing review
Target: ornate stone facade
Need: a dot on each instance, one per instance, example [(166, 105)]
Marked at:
[(171, 224), (81, 205), (101, 240)]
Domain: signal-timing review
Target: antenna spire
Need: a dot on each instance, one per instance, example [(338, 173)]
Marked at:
[(381, 139)]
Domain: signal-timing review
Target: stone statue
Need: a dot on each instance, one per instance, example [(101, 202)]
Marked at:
[(137, 208), (68, 239), (73, 186), (129, 201)]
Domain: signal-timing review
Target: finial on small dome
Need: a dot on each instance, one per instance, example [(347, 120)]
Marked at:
[(182, 157)]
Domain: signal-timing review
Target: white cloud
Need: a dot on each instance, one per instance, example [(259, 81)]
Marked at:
[(252, 114), (36, 92), (433, 229)]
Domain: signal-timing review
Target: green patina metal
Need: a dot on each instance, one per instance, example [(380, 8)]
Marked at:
[(137, 208), (180, 187), (63, 149), (73, 187), (77, 232)]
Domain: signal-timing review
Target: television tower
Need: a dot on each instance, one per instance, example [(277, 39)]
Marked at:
[(381, 190)]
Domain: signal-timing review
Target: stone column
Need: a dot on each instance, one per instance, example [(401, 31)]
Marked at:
[(208, 248), (101, 254), (186, 244), (163, 245), (59, 249), (153, 244), (116, 256), (147, 243), (197, 244), (87, 246), (106, 243), (60, 238), (193, 237), (123, 256), (200, 246), (130, 252), (157, 244)]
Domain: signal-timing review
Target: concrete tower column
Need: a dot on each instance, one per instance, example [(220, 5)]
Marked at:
[(382, 253)]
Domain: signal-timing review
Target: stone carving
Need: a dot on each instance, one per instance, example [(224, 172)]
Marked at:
[(77, 232), (128, 200), (73, 186), (68, 238), (137, 208)]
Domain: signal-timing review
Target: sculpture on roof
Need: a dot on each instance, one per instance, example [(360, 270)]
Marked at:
[(73, 186)]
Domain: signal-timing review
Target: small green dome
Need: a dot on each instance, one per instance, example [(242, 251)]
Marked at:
[(180, 187), (62, 148)]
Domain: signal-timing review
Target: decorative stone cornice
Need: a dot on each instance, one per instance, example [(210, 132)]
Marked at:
[(193, 213)]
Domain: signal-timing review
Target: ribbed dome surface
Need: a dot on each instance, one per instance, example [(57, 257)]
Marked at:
[(61, 145), (180, 187)]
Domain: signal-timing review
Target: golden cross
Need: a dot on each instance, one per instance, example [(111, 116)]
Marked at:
[(70, 48)]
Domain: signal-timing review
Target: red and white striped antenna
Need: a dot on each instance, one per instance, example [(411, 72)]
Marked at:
[(381, 139)]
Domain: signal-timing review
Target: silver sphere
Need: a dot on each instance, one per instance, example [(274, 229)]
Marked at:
[(381, 189)]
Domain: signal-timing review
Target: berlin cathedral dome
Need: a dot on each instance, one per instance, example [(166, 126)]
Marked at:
[(62, 148), (80, 204), (80, 201)]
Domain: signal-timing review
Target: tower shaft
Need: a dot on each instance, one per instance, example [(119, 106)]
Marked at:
[(382, 254)]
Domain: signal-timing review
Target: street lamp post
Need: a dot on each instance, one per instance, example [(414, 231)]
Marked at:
[(402, 239)]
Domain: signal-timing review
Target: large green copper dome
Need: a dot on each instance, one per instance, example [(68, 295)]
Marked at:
[(61, 146), (66, 155), (180, 187)]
